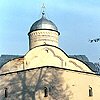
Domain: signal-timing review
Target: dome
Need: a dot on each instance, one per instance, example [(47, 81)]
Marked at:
[(43, 23)]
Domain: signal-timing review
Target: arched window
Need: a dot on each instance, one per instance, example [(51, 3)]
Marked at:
[(90, 91), (45, 92), (6, 92)]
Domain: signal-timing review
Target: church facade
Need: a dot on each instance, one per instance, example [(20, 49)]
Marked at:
[(46, 72)]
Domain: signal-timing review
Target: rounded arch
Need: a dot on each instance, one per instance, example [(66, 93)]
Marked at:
[(48, 55)]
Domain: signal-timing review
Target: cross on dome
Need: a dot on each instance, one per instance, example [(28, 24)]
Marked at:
[(43, 10)]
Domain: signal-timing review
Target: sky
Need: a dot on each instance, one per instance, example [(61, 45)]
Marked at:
[(77, 21)]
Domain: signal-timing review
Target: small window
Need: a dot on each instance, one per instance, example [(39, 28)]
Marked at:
[(90, 92), (45, 92), (65, 63), (6, 92)]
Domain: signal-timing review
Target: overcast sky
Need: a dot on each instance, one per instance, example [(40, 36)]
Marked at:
[(77, 21)]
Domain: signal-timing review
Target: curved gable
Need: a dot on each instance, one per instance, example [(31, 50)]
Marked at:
[(47, 55), (12, 65)]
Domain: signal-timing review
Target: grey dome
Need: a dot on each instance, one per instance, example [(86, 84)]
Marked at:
[(43, 23)]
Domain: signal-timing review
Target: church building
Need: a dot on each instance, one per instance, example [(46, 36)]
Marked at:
[(46, 72)]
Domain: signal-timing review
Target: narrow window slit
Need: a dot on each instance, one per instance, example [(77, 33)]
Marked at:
[(45, 92), (90, 92), (6, 92)]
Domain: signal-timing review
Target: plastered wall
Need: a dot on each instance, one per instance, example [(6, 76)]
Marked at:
[(41, 37), (61, 84)]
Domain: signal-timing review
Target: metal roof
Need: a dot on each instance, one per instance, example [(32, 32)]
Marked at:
[(43, 23)]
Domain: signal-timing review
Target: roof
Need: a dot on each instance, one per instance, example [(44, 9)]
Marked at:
[(5, 58), (43, 23), (80, 57), (84, 59)]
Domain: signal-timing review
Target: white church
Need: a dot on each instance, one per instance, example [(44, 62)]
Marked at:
[(46, 72)]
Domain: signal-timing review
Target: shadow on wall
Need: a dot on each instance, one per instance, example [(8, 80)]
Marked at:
[(36, 84)]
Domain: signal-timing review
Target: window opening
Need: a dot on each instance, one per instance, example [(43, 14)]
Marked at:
[(90, 91), (6, 92), (45, 92)]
